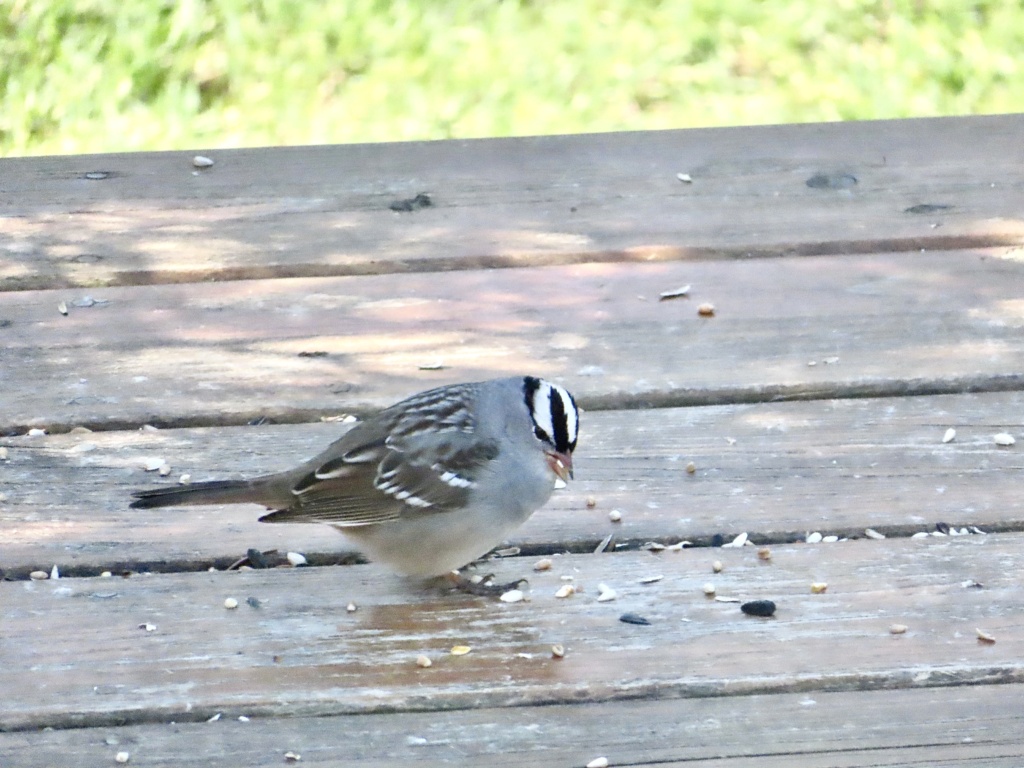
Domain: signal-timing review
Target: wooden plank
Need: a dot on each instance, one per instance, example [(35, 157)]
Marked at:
[(75, 654), (834, 466), (304, 211), (967, 726), (232, 352)]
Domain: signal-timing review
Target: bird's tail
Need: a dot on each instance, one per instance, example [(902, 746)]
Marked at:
[(210, 492)]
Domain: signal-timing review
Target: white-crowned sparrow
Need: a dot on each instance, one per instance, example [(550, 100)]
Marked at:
[(427, 485)]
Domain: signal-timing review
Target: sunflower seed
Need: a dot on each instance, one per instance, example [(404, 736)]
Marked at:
[(691, 468), (764, 553), (62, 307), (831, 539), (230, 603), (717, 566), (566, 590), (591, 502), (920, 535), (709, 589), (813, 538), (871, 533), (200, 161), (1004, 439), (423, 661), (685, 178), (36, 432), (984, 636), (296, 558), (615, 516), (513, 596), (543, 565), (164, 470), (738, 542), (706, 310), (949, 436), (152, 464), (351, 608), (214, 718), (122, 757), (818, 587), (292, 757), (759, 608), (675, 293), (39, 575), (898, 629), (558, 651), (605, 594), (460, 650), (598, 762)]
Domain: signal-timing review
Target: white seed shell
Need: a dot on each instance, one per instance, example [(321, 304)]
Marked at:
[(296, 558), (615, 516), (598, 762), (709, 589), (543, 564), (1004, 439), (566, 590), (122, 757), (513, 596), (200, 161), (984, 636), (423, 661), (871, 533), (813, 538), (230, 603), (949, 436), (898, 629)]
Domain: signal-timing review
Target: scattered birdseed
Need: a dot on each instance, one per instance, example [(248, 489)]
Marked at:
[(871, 533), (230, 603), (424, 661), (813, 538), (691, 468), (292, 757), (148, 627), (605, 594), (920, 535), (709, 589), (706, 310), (164, 470), (106, 575), (513, 596), (818, 587), (199, 161), (185, 479), (566, 590), (717, 566), (984, 636), (759, 608), (296, 559), (764, 553), (351, 608), (1004, 439), (54, 572), (152, 464), (39, 575), (685, 178), (543, 564), (832, 539), (591, 502), (460, 650), (949, 436), (243, 719), (634, 618), (604, 544), (598, 762), (122, 757), (62, 307), (558, 651), (738, 542), (36, 432), (651, 579), (898, 629), (214, 719), (615, 516), (675, 293)]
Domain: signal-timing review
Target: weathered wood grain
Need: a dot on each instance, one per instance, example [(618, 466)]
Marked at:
[(74, 653), (503, 202), (947, 727), (227, 353), (772, 469)]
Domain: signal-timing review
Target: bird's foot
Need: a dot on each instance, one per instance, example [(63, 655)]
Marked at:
[(481, 586)]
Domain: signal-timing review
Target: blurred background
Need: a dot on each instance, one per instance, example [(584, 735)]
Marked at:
[(81, 76)]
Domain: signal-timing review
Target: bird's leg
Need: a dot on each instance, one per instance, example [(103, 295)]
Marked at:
[(482, 587)]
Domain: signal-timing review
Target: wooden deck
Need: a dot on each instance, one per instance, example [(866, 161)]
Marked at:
[(868, 285)]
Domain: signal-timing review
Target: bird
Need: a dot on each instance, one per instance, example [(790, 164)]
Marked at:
[(424, 486)]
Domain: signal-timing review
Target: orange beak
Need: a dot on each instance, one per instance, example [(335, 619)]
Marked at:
[(561, 465)]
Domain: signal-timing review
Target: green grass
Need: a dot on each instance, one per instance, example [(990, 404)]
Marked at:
[(116, 75)]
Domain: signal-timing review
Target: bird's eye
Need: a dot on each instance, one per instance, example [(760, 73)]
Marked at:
[(541, 435)]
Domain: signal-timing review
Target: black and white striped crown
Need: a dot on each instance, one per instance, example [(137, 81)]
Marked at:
[(553, 410)]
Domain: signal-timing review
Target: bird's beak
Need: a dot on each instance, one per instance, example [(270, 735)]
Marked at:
[(561, 465)]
